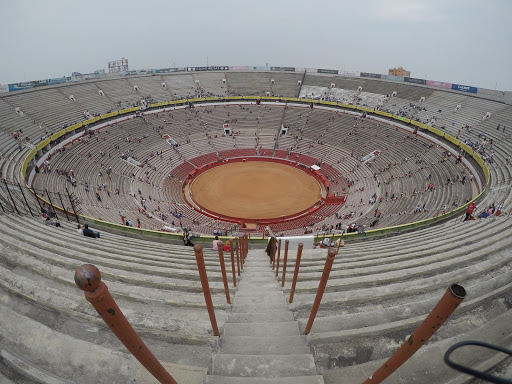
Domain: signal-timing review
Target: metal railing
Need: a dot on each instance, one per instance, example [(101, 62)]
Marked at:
[(88, 279)]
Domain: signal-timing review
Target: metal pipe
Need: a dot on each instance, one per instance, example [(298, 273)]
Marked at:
[(13, 202), (51, 204), (198, 250), (285, 259), (278, 256), (72, 206), (88, 279), (63, 207), (296, 272), (223, 271), (233, 268), (443, 309), (24, 198), (321, 289), (232, 250), (246, 247), (274, 250)]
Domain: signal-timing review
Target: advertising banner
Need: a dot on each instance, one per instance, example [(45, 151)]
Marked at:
[(351, 73), (387, 114), (371, 75), (464, 88), (414, 80), (4, 88), (27, 85), (211, 68), (111, 114), (286, 69), (392, 78), (165, 70), (439, 84), (333, 71), (259, 68), (59, 80), (239, 68)]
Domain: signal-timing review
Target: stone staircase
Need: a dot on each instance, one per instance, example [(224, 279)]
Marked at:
[(261, 342)]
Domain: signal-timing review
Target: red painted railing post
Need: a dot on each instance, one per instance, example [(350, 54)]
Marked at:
[(443, 309), (238, 254), (278, 256), (243, 249), (232, 250), (296, 272), (285, 259), (331, 253), (88, 279), (233, 267), (223, 271), (272, 246), (246, 247), (274, 250), (198, 250)]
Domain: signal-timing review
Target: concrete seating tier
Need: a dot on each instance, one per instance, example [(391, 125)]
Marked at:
[(379, 291)]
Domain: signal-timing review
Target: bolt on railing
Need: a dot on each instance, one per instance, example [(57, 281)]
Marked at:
[(331, 253), (296, 272), (223, 271), (285, 259), (88, 279), (278, 256), (443, 309), (198, 250)]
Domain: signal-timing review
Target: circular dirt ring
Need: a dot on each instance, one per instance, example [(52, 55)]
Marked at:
[(255, 190)]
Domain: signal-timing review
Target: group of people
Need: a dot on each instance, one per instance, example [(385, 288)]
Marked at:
[(491, 210)]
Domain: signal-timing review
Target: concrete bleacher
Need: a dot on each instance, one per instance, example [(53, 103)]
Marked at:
[(379, 291)]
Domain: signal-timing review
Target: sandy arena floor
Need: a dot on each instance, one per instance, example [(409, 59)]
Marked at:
[(255, 190)]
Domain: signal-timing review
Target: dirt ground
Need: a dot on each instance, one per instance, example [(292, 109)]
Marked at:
[(255, 190)]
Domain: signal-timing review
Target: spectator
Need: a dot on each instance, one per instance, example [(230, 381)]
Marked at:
[(79, 230), (89, 232), (469, 211), (186, 238), (51, 222), (215, 243)]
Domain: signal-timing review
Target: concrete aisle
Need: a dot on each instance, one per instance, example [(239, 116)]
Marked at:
[(261, 342)]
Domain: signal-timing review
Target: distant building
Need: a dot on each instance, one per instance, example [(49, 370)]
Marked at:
[(399, 72)]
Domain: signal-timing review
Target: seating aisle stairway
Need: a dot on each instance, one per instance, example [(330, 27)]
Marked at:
[(261, 342)]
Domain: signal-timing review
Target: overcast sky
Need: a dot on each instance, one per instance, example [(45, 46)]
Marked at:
[(459, 41)]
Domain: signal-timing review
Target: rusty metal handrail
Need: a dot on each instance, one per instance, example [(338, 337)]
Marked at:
[(296, 272), (88, 279), (285, 260), (198, 250), (443, 309), (223, 271), (321, 288), (278, 256)]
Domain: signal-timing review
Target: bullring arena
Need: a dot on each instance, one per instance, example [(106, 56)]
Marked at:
[(251, 153)]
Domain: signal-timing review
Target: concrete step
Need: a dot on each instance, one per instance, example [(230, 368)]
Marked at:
[(247, 345), (243, 293), (28, 370), (285, 328), (270, 307), (260, 300), (256, 279), (255, 287), (259, 317), (265, 380), (263, 365)]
